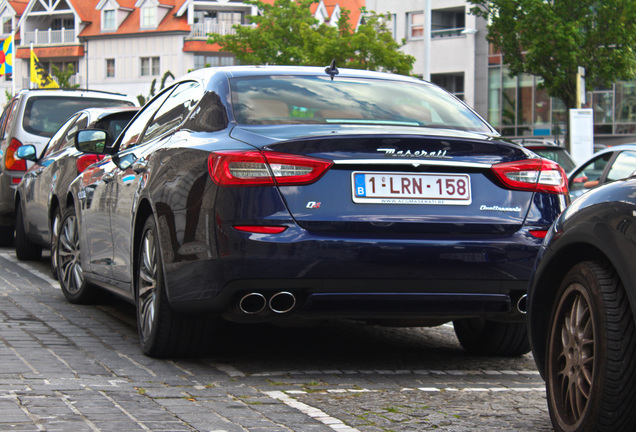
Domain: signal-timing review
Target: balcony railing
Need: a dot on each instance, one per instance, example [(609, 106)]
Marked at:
[(50, 37), (201, 30), (447, 32)]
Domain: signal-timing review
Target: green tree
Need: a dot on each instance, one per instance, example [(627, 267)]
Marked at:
[(286, 33), (64, 76), (551, 39)]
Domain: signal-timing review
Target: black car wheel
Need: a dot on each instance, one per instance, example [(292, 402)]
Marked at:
[(162, 332), (485, 337), (591, 372), (55, 228), (25, 249), (69, 271)]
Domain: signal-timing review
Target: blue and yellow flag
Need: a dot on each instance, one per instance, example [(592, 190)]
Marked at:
[(39, 75), (6, 56)]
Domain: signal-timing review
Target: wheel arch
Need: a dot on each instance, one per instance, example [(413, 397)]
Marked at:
[(55, 203), (144, 210), (545, 289)]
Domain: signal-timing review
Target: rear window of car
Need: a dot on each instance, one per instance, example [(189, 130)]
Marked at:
[(560, 156), (43, 115), (344, 100)]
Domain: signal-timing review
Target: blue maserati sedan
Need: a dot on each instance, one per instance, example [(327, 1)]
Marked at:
[(261, 194), (581, 311)]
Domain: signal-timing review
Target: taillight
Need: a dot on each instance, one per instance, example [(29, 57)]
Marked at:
[(261, 229), (254, 168), (84, 161), (535, 175), (538, 233), (11, 162)]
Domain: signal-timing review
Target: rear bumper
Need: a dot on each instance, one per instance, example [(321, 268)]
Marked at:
[(357, 278)]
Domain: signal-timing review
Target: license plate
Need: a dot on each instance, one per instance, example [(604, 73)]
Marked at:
[(398, 188)]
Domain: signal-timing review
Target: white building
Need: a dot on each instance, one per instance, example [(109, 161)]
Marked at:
[(458, 49)]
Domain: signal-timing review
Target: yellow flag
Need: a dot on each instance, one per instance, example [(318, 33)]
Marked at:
[(39, 75)]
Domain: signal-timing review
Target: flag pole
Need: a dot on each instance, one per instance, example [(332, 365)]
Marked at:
[(13, 58)]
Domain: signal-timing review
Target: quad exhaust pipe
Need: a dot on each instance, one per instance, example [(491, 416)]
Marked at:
[(254, 303), (522, 304)]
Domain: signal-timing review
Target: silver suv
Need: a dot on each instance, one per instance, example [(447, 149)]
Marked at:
[(32, 117)]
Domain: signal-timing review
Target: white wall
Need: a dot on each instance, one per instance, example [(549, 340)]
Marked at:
[(455, 54)]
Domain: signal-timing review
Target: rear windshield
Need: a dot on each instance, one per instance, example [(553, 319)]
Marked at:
[(560, 156), (300, 99), (44, 115)]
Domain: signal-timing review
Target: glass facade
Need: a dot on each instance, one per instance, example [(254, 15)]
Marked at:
[(517, 108)]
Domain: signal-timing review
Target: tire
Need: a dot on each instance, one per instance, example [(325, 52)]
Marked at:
[(25, 249), (6, 236), (492, 338), (55, 228), (69, 270), (162, 332), (590, 367)]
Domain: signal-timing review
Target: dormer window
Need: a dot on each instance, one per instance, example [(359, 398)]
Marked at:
[(149, 17), (6, 25), (108, 20)]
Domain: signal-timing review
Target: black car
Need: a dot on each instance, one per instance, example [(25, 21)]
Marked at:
[(581, 308), (263, 194), (40, 198)]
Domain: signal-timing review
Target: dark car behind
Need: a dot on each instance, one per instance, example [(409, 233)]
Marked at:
[(40, 196)]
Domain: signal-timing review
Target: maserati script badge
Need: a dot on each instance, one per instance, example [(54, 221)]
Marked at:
[(389, 152)]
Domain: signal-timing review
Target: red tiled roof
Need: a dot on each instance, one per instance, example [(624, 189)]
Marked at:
[(18, 6), (130, 25), (52, 52), (353, 6), (200, 46)]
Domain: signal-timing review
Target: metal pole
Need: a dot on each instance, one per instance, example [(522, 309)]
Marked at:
[(427, 40)]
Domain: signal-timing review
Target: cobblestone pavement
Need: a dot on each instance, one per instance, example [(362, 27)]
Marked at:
[(72, 368)]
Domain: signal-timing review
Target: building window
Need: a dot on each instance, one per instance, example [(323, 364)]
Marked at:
[(110, 68), (6, 25), (453, 83), (108, 22), (59, 23), (201, 61), (416, 25), (447, 22), (149, 66), (148, 17)]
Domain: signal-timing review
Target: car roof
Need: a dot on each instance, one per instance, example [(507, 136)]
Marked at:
[(537, 142), (267, 70), (27, 93)]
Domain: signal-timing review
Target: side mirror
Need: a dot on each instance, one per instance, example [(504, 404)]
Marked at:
[(91, 141), (27, 152)]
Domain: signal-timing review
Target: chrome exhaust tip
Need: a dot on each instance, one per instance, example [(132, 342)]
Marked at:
[(522, 304), (252, 303), (282, 302)]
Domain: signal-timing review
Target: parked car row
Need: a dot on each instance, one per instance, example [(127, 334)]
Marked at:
[(272, 194), (32, 117)]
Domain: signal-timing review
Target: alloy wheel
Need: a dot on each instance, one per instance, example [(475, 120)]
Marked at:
[(571, 354), (147, 285), (68, 256), (55, 227)]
